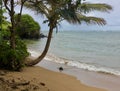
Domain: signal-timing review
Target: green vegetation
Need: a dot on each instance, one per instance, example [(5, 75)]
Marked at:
[(13, 51), (3, 23), (10, 58), (28, 28), (7, 54)]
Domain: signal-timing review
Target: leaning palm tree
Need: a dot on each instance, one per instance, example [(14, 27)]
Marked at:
[(73, 11)]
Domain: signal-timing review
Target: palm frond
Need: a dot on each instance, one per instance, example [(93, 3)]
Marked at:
[(39, 7), (91, 19), (68, 15), (88, 7), (72, 15)]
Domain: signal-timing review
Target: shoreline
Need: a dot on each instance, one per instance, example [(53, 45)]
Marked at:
[(94, 79), (46, 76), (40, 79)]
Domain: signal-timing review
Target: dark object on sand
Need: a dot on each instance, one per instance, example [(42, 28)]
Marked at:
[(43, 84), (60, 68)]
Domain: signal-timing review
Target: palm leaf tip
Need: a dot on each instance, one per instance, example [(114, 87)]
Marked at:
[(100, 21), (91, 20), (106, 7), (88, 7), (96, 20)]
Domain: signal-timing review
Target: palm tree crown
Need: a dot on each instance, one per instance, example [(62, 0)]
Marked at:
[(73, 11), (69, 10)]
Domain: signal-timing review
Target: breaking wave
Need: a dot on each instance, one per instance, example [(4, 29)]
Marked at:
[(77, 64)]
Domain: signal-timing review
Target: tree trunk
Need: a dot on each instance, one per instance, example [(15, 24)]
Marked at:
[(12, 28), (34, 62), (12, 31)]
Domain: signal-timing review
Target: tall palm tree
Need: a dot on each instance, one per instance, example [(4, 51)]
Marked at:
[(73, 11)]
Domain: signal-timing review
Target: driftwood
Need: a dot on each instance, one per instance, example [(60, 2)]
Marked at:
[(10, 83), (15, 84)]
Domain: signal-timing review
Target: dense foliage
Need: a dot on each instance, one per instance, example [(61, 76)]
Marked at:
[(27, 27), (7, 54)]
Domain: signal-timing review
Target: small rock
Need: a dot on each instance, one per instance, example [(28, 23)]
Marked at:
[(43, 84), (60, 68)]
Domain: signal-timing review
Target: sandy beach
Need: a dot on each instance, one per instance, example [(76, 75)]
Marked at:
[(105, 81), (40, 79), (46, 76)]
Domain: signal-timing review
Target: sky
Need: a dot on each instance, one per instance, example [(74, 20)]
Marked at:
[(112, 18)]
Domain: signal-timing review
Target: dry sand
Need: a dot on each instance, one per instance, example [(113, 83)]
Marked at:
[(40, 79)]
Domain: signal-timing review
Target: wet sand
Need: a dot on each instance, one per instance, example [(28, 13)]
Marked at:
[(94, 79)]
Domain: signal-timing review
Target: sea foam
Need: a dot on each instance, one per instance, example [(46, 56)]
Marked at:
[(77, 64)]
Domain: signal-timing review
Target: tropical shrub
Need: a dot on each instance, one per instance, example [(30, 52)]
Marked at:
[(27, 27), (7, 54)]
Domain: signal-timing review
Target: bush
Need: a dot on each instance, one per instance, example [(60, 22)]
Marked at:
[(12, 59), (28, 28)]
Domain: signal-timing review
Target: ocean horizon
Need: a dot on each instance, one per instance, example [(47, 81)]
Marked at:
[(97, 51)]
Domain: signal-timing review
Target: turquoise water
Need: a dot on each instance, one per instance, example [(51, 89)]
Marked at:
[(93, 50)]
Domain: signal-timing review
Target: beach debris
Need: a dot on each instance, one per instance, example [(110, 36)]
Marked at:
[(11, 83), (43, 84), (19, 84), (60, 69)]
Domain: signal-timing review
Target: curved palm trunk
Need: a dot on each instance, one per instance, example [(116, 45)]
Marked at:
[(34, 62)]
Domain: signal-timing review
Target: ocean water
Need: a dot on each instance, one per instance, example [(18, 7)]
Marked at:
[(97, 51)]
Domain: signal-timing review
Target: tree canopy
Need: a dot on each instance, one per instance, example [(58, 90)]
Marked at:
[(28, 28)]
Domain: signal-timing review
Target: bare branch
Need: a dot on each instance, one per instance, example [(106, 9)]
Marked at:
[(5, 3)]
